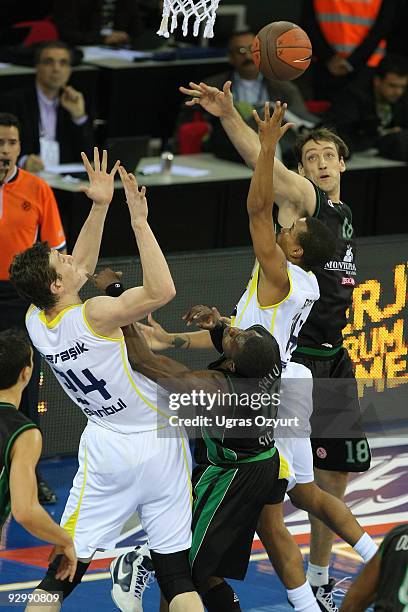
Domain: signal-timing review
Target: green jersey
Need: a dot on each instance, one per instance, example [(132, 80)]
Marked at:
[(12, 424), (392, 593)]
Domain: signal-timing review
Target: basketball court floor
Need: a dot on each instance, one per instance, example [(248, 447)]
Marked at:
[(379, 499)]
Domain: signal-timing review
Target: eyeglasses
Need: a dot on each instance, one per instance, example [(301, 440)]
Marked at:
[(49, 61), (242, 50)]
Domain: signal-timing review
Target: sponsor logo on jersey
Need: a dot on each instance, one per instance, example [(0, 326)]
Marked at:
[(347, 265), (321, 452), (348, 280)]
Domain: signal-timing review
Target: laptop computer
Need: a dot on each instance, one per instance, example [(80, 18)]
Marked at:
[(129, 149)]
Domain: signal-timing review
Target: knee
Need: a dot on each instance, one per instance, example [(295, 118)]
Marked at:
[(306, 497), (173, 573)]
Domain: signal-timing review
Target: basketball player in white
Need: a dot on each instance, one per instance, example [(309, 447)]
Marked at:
[(124, 465)]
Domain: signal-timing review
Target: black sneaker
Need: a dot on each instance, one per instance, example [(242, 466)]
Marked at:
[(45, 494), (324, 596)]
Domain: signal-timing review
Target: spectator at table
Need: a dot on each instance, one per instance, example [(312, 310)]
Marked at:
[(53, 115), (373, 110)]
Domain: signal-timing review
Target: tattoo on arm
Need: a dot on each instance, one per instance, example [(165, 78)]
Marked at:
[(181, 342)]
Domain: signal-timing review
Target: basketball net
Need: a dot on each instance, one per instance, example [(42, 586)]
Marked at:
[(199, 10)]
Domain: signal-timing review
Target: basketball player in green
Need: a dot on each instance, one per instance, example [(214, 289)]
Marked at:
[(20, 450), (384, 580)]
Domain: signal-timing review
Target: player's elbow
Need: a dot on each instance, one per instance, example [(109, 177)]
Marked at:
[(22, 513), (164, 295)]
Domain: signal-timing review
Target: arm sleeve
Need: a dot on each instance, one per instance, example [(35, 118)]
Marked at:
[(51, 226), (216, 337)]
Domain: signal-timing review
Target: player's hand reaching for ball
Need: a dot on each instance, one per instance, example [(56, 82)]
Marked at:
[(100, 189), (270, 129), (213, 100), (136, 200), (203, 316)]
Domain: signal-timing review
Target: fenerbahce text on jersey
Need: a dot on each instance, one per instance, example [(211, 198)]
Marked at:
[(94, 371), (284, 319)]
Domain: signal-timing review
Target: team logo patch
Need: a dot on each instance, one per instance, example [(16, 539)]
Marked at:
[(348, 280), (321, 452), (26, 205)]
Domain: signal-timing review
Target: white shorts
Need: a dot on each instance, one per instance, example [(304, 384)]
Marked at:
[(120, 474), (296, 400)]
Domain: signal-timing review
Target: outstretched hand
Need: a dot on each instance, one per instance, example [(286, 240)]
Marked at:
[(213, 100), (203, 316), (100, 189), (270, 129), (136, 200), (155, 335)]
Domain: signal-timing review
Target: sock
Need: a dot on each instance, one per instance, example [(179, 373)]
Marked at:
[(221, 597), (317, 575), (302, 598), (366, 547)]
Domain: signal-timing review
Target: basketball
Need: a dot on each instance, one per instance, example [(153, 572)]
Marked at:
[(282, 50)]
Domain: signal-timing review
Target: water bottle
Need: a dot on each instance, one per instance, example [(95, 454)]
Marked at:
[(166, 162)]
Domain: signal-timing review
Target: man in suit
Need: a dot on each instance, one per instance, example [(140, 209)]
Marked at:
[(96, 22), (251, 89), (52, 114)]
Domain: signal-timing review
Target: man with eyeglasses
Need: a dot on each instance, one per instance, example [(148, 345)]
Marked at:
[(54, 121), (251, 89)]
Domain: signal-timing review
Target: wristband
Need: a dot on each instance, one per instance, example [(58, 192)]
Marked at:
[(114, 289), (216, 336)]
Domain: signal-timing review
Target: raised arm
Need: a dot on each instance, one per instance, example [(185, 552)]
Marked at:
[(169, 373), (273, 281), (106, 314), (291, 189), (100, 191)]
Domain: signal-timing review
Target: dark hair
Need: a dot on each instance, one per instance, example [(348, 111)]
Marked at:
[(31, 274), (236, 34), (15, 354), (318, 243), (257, 357), (392, 64), (317, 135), (9, 120), (52, 44)]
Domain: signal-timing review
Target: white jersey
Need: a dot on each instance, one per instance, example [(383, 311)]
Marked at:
[(94, 371), (284, 319)]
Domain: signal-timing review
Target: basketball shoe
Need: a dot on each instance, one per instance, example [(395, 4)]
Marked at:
[(131, 573), (324, 596)]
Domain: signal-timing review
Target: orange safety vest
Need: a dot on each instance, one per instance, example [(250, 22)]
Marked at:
[(345, 24)]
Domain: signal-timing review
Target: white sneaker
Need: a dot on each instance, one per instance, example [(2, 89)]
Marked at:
[(131, 574)]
